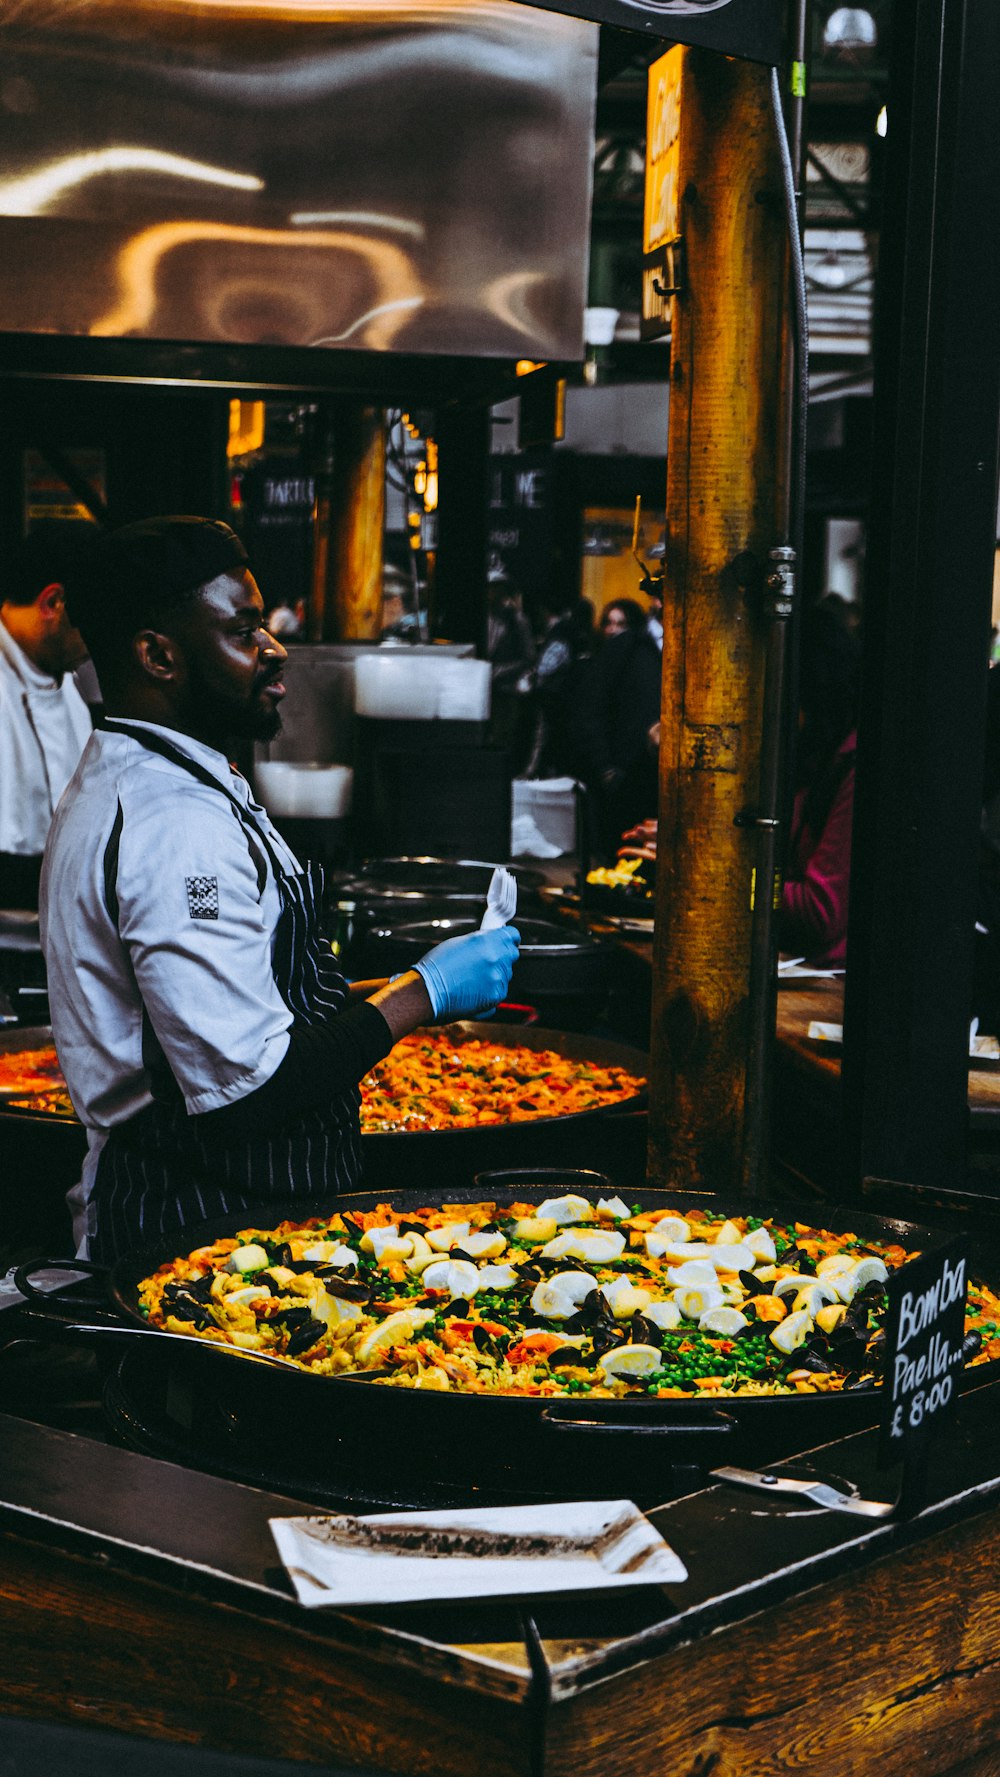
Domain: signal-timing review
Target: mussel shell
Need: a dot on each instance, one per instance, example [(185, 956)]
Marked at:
[(197, 1289), (563, 1354), (459, 1252), (814, 1360), (413, 1228), (292, 1317), (645, 1332), (972, 1344), (859, 1383), (280, 1254), (596, 1303), (804, 1263), (754, 1285), (456, 1310), (305, 1336), (607, 1337), (335, 1284), (485, 1342), (530, 1273), (195, 1312)]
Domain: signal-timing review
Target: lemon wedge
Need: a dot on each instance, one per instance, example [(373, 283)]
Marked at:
[(631, 1360), (394, 1330)]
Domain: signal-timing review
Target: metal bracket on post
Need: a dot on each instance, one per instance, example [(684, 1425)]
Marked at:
[(779, 598)]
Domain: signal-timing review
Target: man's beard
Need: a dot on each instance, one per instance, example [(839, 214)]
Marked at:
[(249, 718)]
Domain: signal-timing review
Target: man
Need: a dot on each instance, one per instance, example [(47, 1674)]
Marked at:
[(44, 722), (209, 1044)]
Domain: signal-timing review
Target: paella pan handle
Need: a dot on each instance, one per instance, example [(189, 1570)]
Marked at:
[(76, 1268), (719, 1424)]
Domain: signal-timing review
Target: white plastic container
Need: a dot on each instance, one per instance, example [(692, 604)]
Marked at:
[(400, 686), (551, 804), (304, 790)]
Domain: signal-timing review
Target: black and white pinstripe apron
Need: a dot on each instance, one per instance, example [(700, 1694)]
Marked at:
[(156, 1174)]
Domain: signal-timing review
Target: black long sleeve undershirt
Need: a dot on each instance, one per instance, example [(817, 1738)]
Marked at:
[(323, 1060)]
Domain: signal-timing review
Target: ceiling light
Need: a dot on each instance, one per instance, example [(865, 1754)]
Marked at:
[(850, 30)]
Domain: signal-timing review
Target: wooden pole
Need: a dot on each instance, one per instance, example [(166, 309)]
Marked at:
[(356, 550), (726, 366)]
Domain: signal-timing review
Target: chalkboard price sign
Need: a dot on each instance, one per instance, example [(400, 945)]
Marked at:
[(925, 1328)]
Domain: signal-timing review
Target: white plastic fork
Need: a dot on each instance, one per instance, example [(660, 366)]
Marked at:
[(501, 900)]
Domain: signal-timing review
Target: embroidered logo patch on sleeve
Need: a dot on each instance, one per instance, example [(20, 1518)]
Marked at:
[(203, 896)]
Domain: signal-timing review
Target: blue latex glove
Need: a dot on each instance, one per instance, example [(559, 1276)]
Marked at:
[(467, 976)]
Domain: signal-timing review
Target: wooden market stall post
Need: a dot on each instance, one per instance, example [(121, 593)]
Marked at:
[(726, 367)]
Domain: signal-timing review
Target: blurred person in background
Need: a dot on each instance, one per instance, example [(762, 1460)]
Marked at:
[(564, 648), (615, 724), (510, 649), (44, 722), (813, 917)]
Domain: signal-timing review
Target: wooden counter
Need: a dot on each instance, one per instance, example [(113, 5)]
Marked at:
[(145, 1598)]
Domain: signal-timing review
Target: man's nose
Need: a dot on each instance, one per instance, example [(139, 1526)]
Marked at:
[(272, 648)]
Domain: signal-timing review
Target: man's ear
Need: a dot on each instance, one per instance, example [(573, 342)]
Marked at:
[(51, 602), (158, 656)]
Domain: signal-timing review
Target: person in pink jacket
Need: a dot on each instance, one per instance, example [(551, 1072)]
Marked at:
[(814, 902)]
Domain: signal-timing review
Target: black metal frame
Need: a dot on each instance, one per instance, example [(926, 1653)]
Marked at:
[(927, 610)]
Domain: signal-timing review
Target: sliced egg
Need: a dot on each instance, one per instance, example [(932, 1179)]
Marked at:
[(331, 1252), (696, 1299), (665, 1315), (673, 1228), (695, 1272), (626, 1298), (870, 1271), (247, 1258), (598, 1245), (792, 1284), (813, 1297), (497, 1277), (614, 1207), (566, 1209), (394, 1330), (375, 1240), (448, 1235), (631, 1360), (559, 1297), (761, 1245), (730, 1235), (724, 1321), (792, 1332), (458, 1276), (483, 1246), (722, 1256)]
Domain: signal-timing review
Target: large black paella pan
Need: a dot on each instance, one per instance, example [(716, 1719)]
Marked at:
[(410, 1441)]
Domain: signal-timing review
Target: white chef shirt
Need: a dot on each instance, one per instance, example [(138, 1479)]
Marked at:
[(44, 726), (198, 905)]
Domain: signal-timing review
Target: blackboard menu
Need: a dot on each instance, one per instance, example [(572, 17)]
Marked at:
[(925, 1328)]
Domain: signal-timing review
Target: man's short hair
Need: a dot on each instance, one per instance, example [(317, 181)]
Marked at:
[(143, 571), (56, 551)]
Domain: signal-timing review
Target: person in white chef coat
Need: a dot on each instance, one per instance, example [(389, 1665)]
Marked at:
[(44, 722), (211, 1047)]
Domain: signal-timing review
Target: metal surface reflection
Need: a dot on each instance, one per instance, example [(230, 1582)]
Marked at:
[(381, 175)]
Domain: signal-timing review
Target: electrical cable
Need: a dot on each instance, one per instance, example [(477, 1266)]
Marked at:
[(795, 504)]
